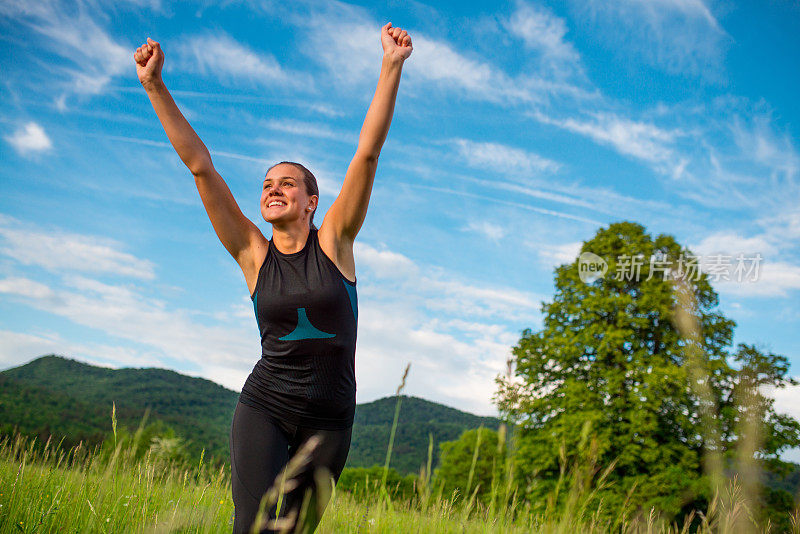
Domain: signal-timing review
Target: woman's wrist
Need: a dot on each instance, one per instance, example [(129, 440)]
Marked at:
[(393, 58), (154, 84)]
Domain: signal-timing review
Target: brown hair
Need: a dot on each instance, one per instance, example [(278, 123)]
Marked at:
[(308, 179)]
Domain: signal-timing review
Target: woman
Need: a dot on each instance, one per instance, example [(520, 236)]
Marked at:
[(303, 286)]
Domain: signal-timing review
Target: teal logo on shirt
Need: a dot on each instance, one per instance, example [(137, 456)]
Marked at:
[(304, 329)]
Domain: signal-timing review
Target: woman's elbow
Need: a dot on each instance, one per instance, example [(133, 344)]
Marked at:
[(370, 157), (200, 166)]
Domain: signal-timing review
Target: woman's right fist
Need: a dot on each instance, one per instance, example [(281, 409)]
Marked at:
[(149, 59)]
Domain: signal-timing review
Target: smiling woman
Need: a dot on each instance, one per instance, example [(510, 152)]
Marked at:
[(298, 403)]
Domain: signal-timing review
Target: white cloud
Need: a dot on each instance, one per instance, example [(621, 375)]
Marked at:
[(58, 251), (25, 287), (17, 348), (486, 229), (746, 266), (122, 312), (678, 36), (311, 129), (454, 332), (544, 32), (554, 255), (730, 242), (76, 36), (385, 263), (451, 362), (787, 401), (225, 58), (432, 288), (641, 140), (502, 158), (438, 63), (29, 138), (355, 58), (485, 198), (762, 278)]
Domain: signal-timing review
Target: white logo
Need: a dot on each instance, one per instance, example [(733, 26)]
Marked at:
[(591, 267)]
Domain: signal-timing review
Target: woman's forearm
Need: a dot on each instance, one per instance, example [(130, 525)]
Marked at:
[(185, 141), (379, 115)]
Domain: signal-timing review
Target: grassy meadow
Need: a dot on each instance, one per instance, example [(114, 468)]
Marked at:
[(111, 488)]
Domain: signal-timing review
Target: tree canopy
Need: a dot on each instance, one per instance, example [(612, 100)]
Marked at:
[(611, 354)]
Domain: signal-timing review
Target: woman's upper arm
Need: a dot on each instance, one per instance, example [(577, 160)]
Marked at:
[(348, 211), (236, 232)]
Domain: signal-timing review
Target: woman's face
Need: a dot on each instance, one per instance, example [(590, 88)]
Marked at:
[(283, 196)]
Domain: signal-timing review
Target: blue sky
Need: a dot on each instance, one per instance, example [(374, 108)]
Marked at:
[(520, 129)]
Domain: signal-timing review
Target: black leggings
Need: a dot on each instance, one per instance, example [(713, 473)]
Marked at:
[(261, 446)]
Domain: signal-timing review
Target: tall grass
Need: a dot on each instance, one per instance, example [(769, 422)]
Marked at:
[(80, 490)]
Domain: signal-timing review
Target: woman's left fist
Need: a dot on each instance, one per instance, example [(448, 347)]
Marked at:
[(396, 42)]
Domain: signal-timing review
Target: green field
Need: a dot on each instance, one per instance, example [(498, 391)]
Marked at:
[(119, 488)]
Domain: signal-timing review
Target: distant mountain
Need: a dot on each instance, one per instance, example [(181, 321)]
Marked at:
[(70, 399), (418, 419)]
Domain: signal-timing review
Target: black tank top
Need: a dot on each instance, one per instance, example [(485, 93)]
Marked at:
[(307, 313)]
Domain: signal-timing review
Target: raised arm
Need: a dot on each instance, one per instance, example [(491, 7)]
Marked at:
[(235, 230), (347, 213)]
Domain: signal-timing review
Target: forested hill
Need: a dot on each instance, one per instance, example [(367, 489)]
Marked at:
[(71, 399), (418, 419)]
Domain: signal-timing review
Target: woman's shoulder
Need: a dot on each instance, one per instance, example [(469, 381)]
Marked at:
[(252, 259), (339, 250)]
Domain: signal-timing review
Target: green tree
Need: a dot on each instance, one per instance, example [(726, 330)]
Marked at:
[(473, 461), (609, 353), (364, 482)]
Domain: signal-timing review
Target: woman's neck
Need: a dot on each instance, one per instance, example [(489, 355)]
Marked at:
[(291, 238)]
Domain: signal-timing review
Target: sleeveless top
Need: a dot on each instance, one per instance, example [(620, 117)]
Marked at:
[(307, 314)]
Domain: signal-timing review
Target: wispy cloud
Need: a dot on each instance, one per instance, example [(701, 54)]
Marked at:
[(507, 170), (554, 255), (58, 251), (756, 140), (436, 62), (29, 139), (220, 55), (354, 58), (641, 140), (747, 266), (123, 313), (545, 33), (486, 229), (729, 241), (436, 289), (18, 348), (443, 325), (678, 36), (311, 129), (787, 401), (73, 33), (502, 158), (486, 198)]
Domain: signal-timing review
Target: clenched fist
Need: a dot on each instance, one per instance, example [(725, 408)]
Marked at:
[(396, 42), (149, 60)]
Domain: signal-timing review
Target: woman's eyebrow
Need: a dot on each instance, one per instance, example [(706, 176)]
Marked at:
[(281, 178)]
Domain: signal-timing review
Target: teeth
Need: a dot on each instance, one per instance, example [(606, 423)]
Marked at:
[(276, 202)]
